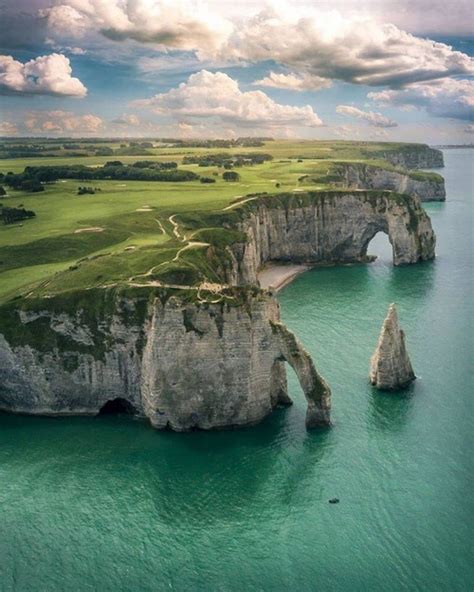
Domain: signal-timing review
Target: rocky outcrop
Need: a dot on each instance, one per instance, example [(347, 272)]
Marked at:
[(181, 365), (425, 186), (329, 227), (411, 156), (390, 366)]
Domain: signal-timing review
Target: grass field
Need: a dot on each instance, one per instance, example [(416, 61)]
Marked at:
[(126, 229)]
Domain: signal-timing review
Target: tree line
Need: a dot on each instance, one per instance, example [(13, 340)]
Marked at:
[(33, 177)]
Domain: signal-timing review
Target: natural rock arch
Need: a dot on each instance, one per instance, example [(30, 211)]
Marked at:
[(332, 227), (315, 388)]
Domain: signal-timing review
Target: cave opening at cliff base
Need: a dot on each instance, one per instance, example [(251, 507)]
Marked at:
[(118, 406)]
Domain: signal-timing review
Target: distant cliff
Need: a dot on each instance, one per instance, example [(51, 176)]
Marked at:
[(426, 186), (411, 156)]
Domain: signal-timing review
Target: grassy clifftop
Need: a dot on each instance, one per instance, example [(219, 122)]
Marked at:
[(129, 233)]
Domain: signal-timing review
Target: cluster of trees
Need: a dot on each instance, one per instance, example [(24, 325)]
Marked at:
[(23, 150), (85, 191), (132, 151), (12, 215), (151, 164), (231, 176), (104, 151), (227, 161), (22, 182), (33, 177), (141, 144)]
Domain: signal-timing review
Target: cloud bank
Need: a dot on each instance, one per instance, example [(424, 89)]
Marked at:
[(329, 45), (62, 122), (313, 42)]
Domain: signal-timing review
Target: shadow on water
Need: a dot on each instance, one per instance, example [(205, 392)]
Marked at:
[(221, 474), (390, 411), (217, 474)]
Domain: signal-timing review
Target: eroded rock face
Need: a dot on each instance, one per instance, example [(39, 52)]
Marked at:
[(336, 227), (365, 176), (200, 366), (413, 157), (390, 366)]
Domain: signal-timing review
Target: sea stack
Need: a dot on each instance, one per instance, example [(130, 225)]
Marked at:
[(390, 366)]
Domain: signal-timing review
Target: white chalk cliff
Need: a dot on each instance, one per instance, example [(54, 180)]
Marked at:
[(427, 187)]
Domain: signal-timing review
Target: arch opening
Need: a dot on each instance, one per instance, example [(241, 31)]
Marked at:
[(379, 248), (118, 406)]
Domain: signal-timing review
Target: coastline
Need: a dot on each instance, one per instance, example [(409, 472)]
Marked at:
[(277, 276)]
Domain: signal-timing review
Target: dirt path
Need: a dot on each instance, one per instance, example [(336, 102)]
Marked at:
[(238, 203), (190, 245), (162, 228), (175, 225)]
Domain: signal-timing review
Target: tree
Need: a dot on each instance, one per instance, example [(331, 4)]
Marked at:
[(2, 191), (231, 176)]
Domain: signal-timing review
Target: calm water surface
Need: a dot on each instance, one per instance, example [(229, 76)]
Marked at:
[(110, 504)]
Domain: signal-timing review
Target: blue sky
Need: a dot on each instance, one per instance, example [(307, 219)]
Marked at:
[(365, 70)]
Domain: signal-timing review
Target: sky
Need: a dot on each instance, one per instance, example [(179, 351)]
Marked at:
[(390, 70)]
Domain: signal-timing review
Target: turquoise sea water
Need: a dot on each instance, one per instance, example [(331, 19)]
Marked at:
[(108, 503)]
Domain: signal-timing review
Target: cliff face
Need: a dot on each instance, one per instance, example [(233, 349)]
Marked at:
[(331, 228), (363, 176), (413, 157), (390, 366), (183, 366)]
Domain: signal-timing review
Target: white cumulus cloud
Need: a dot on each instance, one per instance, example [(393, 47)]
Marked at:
[(49, 74), (181, 24), (444, 98), (208, 95), (372, 118), (294, 82), (62, 122)]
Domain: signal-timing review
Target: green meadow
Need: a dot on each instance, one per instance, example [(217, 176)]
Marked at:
[(127, 230)]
